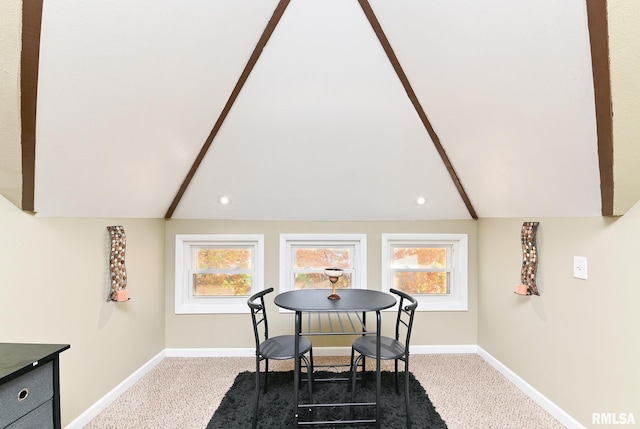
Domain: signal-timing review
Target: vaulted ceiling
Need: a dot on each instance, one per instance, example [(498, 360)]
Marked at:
[(317, 109)]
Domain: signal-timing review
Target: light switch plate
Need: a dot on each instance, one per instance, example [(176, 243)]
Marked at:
[(580, 267)]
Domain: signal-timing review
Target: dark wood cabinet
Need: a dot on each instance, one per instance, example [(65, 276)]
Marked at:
[(30, 385)]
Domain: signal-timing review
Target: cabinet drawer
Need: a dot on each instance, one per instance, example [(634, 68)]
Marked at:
[(40, 418), (25, 393)]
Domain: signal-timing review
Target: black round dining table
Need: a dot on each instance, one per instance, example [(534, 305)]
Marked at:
[(315, 300), (351, 300)]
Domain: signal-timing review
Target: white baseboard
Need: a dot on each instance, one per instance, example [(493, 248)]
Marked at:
[(211, 352), (107, 399), (445, 349), (531, 392), (536, 396)]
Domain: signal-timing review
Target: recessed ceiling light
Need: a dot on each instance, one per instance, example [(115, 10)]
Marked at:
[(421, 201), (224, 200)]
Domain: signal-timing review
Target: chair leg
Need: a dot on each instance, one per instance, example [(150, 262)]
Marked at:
[(254, 423), (310, 370), (354, 372), (364, 363), (351, 369), (406, 391), (301, 360), (266, 374), (397, 384), (309, 366)]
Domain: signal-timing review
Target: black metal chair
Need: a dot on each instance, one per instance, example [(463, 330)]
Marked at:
[(396, 348), (281, 347)]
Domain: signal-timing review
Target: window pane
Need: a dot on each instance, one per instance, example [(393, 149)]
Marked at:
[(320, 258), (422, 282), (221, 258), (222, 284), (419, 257), (320, 281)]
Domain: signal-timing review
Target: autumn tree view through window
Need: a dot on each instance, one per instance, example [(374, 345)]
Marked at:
[(227, 272), (421, 270), (310, 262), (215, 273), (222, 272)]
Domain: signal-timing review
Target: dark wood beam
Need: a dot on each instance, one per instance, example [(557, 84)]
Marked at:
[(377, 28), (599, 37), (29, 64), (262, 42)]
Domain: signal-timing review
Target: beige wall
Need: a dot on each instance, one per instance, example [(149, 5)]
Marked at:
[(624, 53), (234, 330), (10, 132), (53, 283), (577, 343)]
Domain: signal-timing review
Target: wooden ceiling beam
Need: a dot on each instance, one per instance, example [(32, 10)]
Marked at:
[(377, 28), (599, 38), (29, 66), (262, 42)]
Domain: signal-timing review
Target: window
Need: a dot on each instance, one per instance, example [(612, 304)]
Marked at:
[(303, 258), (430, 267), (217, 273)]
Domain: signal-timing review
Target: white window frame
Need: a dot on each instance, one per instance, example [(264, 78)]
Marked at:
[(185, 302), (356, 241), (457, 298)]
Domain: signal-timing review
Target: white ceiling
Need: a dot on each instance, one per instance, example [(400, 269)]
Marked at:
[(323, 128)]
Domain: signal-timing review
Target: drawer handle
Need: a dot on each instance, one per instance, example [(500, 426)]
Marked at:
[(22, 395)]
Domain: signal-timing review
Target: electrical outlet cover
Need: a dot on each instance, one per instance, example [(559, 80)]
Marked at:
[(580, 267)]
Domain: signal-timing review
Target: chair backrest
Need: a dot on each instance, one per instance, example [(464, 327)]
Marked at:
[(404, 322), (259, 316)]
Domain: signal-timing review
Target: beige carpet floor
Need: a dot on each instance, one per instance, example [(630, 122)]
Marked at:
[(183, 393)]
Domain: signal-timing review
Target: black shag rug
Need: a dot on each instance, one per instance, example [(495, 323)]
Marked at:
[(276, 406)]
